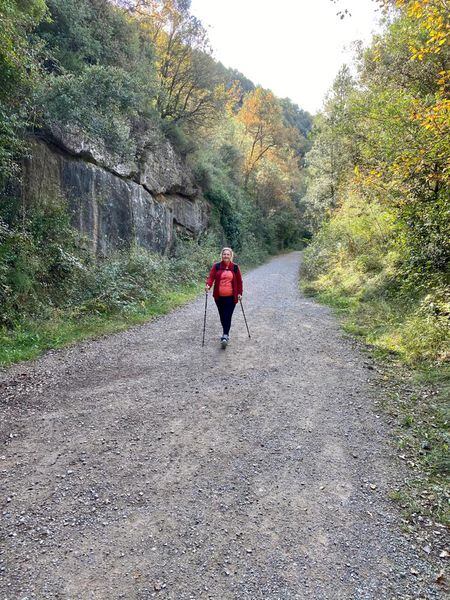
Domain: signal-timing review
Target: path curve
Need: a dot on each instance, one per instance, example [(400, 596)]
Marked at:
[(140, 465)]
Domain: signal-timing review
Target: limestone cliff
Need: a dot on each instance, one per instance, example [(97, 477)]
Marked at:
[(116, 203)]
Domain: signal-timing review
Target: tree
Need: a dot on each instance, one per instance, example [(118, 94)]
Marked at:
[(390, 135), (19, 69), (189, 90), (334, 151), (262, 120)]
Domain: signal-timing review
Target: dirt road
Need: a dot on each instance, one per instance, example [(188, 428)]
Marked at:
[(141, 465)]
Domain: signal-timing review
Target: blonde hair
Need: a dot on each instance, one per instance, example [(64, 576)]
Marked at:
[(226, 248)]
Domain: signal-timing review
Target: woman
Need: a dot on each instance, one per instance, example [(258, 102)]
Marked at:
[(227, 280)]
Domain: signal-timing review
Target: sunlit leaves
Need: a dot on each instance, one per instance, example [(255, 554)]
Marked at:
[(189, 91), (264, 128), (397, 130)]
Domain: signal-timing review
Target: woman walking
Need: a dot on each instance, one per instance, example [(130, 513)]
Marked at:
[(227, 280)]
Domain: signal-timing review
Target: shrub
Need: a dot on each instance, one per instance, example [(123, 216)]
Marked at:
[(105, 115), (41, 257), (358, 261)]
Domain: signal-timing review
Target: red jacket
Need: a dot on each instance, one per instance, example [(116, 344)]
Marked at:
[(216, 274)]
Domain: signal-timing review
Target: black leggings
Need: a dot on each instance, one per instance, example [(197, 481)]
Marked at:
[(225, 305)]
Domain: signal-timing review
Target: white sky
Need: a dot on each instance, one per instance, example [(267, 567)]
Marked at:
[(293, 47)]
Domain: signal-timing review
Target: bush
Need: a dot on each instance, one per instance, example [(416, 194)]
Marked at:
[(100, 104), (94, 32), (41, 258), (178, 138), (45, 266), (115, 284), (358, 261)]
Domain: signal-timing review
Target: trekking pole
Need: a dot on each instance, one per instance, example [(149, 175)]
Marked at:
[(240, 302), (204, 320)]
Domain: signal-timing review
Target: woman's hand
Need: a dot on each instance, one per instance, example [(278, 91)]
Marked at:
[(207, 288), (239, 296)]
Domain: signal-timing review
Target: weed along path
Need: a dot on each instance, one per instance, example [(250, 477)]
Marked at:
[(140, 465)]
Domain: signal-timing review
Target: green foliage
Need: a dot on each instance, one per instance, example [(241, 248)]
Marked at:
[(356, 263), (332, 154), (19, 69), (17, 59), (116, 284), (229, 76), (301, 122), (178, 138), (94, 32), (105, 115), (100, 73), (287, 228), (251, 235), (377, 194), (12, 144), (40, 261), (220, 197), (191, 259)]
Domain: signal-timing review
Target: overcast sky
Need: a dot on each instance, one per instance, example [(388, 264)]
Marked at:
[(293, 47)]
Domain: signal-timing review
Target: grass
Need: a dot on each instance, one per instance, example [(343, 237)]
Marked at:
[(32, 338)]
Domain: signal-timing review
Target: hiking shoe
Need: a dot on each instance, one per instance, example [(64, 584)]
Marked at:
[(224, 341)]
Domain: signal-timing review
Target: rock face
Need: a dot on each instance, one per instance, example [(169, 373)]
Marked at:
[(116, 204)]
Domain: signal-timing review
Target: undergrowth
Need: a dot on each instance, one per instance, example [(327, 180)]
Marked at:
[(53, 291)]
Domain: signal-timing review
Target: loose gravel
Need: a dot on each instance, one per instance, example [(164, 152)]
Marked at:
[(141, 465)]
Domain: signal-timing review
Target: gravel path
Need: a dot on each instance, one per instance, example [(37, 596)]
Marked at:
[(141, 465)]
